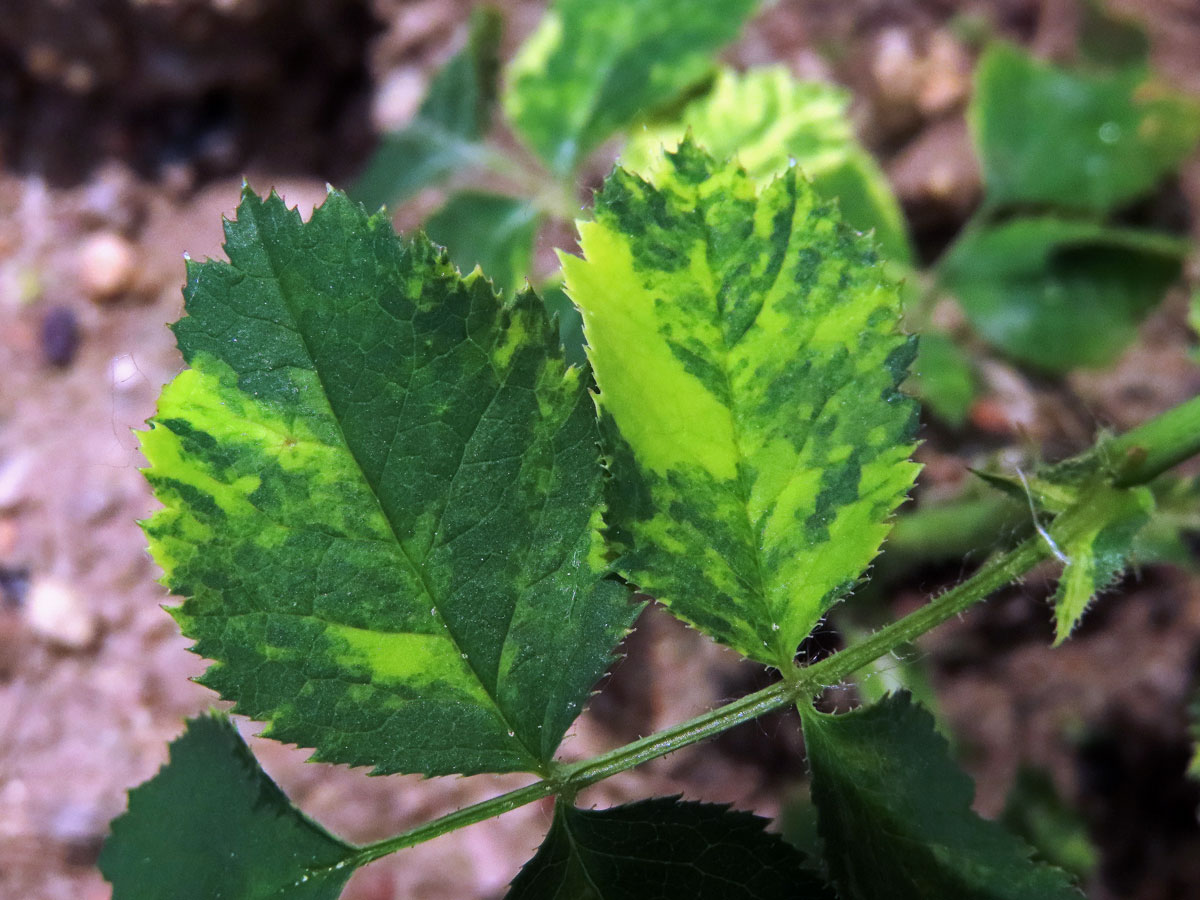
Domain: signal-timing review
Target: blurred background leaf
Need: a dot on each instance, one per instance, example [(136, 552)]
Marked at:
[(492, 231), (1086, 140), (593, 66), (944, 378), (1037, 812), (770, 120), (1060, 294), (446, 132)]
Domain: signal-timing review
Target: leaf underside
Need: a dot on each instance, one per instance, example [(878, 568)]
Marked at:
[(381, 492), (661, 849), (771, 121), (212, 824), (747, 354), (895, 819), (593, 66)]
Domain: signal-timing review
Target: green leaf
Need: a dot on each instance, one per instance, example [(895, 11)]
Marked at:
[(1176, 516), (1081, 140), (1096, 528), (570, 323), (212, 824), (944, 379), (1194, 715), (489, 230), (381, 494), (1037, 813), (1059, 294), (661, 849), (593, 66), (895, 815), (1111, 40), (1194, 320), (444, 135), (747, 353), (1047, 490), (1095, 539), (770, 121)]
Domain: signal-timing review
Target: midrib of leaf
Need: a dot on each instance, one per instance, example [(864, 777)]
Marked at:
[(433, 534), (417, 570), (785, 656), (587, 874), (625, 857), (755, 536)]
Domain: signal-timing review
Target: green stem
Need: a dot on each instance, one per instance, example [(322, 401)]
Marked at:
[(529, 182), (1149, 450), (575, 777), (461, 818), (811, 681), (993, 575), (1163, 442), (710, 724)]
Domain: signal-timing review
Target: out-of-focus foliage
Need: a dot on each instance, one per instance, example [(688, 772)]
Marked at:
[(1059, 294)]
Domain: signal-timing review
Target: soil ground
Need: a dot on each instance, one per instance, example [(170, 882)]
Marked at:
[(125, 131)]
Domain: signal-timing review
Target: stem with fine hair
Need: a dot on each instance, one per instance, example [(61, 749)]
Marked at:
[(811, 680), (1144, 453)]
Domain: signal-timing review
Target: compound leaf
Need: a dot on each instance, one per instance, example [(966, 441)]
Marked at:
[(381, 491), (594, 65), (747, 353), (443, 136), (211, 823), (1080, 140), (664, 848), (491, 231), (894, 814), (770, 121), (1060, 294), (1096, 537)]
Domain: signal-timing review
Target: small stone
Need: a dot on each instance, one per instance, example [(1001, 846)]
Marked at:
[(107, 266), (397, 98), (112, 200), (15, 472), (894, 66), (59, 336), (14, 585), (947, 76), (58, 615), (8, 538), (124, 373)]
